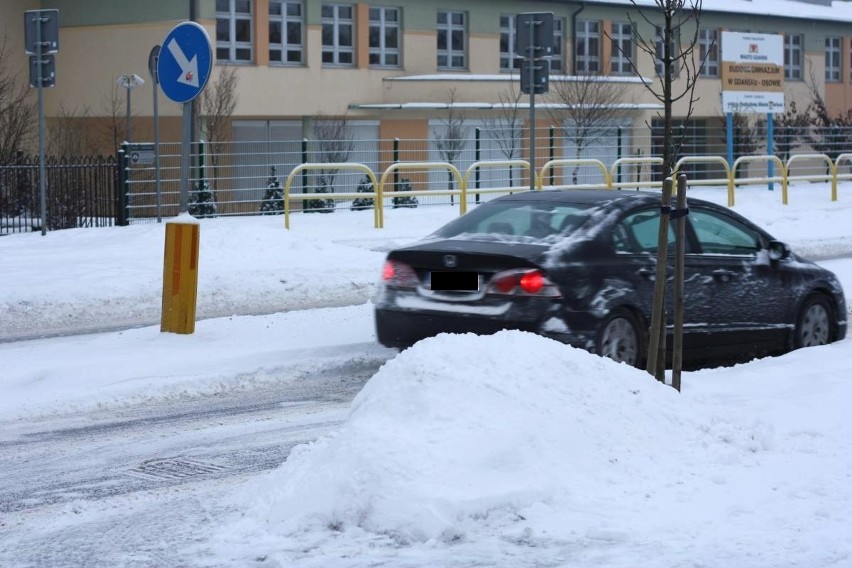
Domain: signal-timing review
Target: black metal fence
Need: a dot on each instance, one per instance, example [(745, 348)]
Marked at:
[(80, 192)]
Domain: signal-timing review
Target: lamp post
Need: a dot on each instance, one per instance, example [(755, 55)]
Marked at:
[(128, 82)]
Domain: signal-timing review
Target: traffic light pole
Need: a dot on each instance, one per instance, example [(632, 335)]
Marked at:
[(42, 181), (531, 57)]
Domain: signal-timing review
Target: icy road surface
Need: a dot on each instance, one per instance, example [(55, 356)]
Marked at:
[(133, 487)]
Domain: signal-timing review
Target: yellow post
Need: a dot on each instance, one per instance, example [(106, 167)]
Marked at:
[(180, 277)]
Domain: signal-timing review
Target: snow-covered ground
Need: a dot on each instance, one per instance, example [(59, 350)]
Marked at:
[(508, 450)]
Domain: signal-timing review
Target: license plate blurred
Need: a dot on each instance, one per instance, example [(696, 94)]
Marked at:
[(455, 281)]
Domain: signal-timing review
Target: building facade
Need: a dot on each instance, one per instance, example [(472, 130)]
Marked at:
[(399, 68)]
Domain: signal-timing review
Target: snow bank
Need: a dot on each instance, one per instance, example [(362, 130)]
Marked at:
[(462, 427)]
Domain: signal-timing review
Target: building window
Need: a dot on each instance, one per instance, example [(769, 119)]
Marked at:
[(338, 34), (286, 32), (832, 59), (508, 61), (384, 37), (793, 56), (587, 47), (557, 60), (452, 40), (659, 41), (622, 48), (708, 51), (233, 31)]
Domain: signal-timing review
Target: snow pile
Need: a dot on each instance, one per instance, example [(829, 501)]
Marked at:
[(462, 434)]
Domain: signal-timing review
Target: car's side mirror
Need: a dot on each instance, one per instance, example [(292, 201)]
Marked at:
[(778, 250)]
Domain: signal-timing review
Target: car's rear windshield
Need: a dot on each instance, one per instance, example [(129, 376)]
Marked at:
[(525, 221)]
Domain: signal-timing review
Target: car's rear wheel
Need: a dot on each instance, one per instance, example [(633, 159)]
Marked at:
[(813, 326), (619, 338)]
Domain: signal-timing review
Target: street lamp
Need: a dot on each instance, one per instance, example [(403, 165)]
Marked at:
[(128, 82)]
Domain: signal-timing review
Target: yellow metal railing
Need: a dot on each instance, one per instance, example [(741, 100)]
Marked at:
[(607, 184), (831, 176), (461, 192), (747, 180), (648, 160), (316, 195), (483, 164), (783, 176), (837, 175), (728, 180)]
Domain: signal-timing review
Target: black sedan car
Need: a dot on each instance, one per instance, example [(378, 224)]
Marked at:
[(579, 266)]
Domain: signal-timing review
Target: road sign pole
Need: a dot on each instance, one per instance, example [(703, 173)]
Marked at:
[(729, 136), (159, 185), (184, 157), (770, 146), (532, 104), (42, 181), (183, 67), (152, 67)]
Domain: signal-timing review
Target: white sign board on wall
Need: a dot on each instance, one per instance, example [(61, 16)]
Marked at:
[(752, 72)]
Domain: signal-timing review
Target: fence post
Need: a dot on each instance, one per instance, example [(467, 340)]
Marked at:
[(122, 188), (304, 172), (395, 160), (477, 157), (202, 150), (619, 151), (552, 135)]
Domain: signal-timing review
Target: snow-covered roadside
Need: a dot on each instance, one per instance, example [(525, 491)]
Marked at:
[(96, 279), (506, 450), (103, 275), (514, 450)]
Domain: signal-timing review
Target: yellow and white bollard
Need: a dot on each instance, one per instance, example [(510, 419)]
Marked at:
[(180, 275)]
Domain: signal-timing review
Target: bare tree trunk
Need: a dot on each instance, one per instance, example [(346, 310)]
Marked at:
[(680, 251), (656, 364)]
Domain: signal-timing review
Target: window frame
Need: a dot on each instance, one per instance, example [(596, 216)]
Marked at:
[(557, 58), (659, 39), (231, 44), (708, 52), (621, 61), (793, 71), (587, 37), (833, 69), (336, 49), (447, 28), (508, 37), (284, 19), (382, 51)]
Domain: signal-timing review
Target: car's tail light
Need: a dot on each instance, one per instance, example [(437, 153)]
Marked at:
[(399, 275), (529, 282)]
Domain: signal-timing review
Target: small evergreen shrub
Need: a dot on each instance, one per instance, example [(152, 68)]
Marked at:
[(317, 204), (364, 186), (202, 202), (404, 200), (273, 199)]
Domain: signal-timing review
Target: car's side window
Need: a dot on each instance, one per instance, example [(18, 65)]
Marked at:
[(639, 232), (719, 234)]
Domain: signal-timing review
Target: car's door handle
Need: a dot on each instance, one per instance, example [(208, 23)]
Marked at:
[(723, 275), (647, 273), (651, 273)]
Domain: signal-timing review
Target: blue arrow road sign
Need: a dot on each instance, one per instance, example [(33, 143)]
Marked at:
[(185, 61)]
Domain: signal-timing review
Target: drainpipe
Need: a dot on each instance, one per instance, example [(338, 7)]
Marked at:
[(574, 15)]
